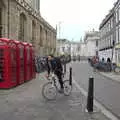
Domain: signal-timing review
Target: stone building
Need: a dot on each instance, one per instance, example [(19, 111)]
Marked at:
[(83, 49), (117, 32), (21, 20), (75, 49), (107, 36), (34, 3), (91, 39), (63, 47), (109, 45), (66, 47)]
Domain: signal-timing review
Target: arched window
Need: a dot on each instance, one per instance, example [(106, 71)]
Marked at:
[(22, 28), (33, 32)]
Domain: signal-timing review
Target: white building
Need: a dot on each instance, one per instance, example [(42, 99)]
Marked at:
[(83, 49), (109, 45), (63, 47), (107, 36), (116, 53), (75, 49), (90, 46)]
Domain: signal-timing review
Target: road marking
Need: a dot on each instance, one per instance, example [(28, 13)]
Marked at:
[(97, 104)]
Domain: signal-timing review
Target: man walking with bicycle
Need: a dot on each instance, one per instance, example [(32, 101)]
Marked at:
[(54, 65)]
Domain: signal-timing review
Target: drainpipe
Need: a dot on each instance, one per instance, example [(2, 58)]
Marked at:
[(39, 5), (8, 18)]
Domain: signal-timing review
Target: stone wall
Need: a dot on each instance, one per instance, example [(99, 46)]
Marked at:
[(11, 26)]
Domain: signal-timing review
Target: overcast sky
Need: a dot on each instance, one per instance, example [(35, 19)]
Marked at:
[(75, 16)]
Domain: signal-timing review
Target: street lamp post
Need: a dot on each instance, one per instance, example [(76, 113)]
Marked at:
[(59, 25)]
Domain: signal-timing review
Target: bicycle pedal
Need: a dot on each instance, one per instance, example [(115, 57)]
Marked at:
[(61, 91)]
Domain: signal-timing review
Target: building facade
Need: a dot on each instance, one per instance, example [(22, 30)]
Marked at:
[(90, 45), (109, 45), (66, 47), (75, 49), (63, 47), (20, 21), (117, 32), (34, 4), (83, 49), (107, 36), (88, 48)]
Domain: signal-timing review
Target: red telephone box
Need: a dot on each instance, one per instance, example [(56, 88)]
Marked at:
[(17, 62), (13, 60), (32, 60), (8, 76), (20, 62), (27, 62)]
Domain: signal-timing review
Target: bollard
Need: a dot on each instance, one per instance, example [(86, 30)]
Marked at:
[(90, 95), (70, 77)]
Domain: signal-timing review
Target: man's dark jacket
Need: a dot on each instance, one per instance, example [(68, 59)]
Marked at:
[(55, 66)]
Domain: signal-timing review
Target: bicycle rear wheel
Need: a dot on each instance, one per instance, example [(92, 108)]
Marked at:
[(67, 87), (49, 91), (117, 70)]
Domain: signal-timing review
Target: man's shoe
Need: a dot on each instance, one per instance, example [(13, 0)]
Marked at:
[(61, 91)]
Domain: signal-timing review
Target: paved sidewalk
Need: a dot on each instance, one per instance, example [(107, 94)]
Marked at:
[(26, 103), (111, 75)]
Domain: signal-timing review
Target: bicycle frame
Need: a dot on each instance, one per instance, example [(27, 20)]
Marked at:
[(53, 86), (53, 80)]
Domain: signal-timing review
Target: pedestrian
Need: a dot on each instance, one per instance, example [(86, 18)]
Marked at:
[(54, 65), (95, 63), (109, 64), (108, 60), (103, 60)]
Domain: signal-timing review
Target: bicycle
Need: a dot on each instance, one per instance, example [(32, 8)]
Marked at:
[(117, 70), (51, 88)]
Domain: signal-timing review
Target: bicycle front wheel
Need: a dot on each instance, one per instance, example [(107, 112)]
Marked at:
[(49, 91), (67, 87)]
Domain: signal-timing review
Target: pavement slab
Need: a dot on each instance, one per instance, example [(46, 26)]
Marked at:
[(111, 76), (26, 103)]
